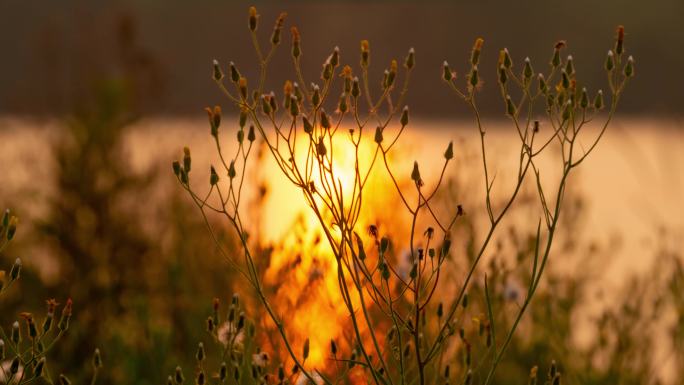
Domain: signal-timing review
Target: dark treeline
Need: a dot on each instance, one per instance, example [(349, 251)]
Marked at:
[(52, 53)]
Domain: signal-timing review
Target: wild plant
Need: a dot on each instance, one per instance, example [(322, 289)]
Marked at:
[(27, 346), (399, 334)]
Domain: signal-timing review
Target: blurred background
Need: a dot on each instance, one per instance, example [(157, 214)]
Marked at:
[(98, 97)]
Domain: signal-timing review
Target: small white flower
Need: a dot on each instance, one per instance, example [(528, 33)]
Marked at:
[(303, 380), (226, 334), (260, 359)]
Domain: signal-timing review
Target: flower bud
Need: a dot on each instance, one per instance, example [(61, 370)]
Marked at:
[(598, 100), (570, 66), (38, 369), (272, 101), (266, 104), (384, 245), (308, 128), (449, 153), (542, 83), (178, 376), (63, 380), (410, 61), (404, 116), (275, 37), (12, 227), (223, 372), (213, 176), (5, 220), (305, 352), (475, 54), (294, 106), (507, 61), (620, 40), (14, 366), (231, 170), (253, 19), (342, 105), (218, 74), (555, 59), (234, 73), (356, 89), (333, 347), (415, 174), (187, 159), (527, 70), (16, 335), (335, 57), (97, 359), (610, 61), (365, 53), (565, 79), (251, 136), (447, 75), (503, 75), (510, 107), (327, 72), (320, 147), (63, 324), (473, 77), (15, 271), (325, 121), (316, 95), (241, 135), (296, 43), (200, 355), (629, 67), (584, 98), (384, 271), (242, 85)]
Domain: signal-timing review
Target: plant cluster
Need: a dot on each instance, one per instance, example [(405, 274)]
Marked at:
[(27, 346), (400, 333)]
